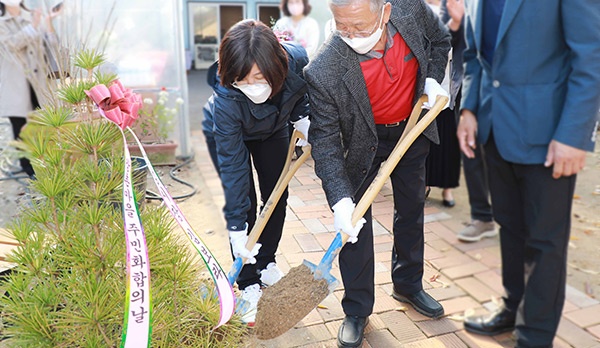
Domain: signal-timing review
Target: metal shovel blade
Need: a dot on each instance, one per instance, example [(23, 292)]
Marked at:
[(323, 270)]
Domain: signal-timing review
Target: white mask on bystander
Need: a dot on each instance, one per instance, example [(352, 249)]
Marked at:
[(296, 9)]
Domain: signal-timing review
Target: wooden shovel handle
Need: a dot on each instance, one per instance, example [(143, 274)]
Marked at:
[(284, 179), (411, 133)]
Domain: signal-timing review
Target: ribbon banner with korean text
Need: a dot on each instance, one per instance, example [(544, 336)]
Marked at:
[(120, 105)]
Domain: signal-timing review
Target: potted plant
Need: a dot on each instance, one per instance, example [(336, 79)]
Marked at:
[(154, 126), (67, 288)]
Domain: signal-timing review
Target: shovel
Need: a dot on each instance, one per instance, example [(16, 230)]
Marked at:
[(292, 308), (267, 210)]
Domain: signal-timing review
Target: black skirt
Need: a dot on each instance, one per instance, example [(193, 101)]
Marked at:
[(443, 162)]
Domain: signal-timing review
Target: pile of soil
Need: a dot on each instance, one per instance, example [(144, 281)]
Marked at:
[(284, 304)]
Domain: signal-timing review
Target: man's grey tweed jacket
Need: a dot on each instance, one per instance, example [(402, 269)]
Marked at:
[(342, 131)]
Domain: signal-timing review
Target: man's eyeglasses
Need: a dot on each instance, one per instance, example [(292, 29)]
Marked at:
[(360, 33)]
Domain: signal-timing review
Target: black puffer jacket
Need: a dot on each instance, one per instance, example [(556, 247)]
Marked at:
[(233, 119)]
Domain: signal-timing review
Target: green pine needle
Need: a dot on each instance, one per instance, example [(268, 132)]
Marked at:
[(104, 78), (52, 116), (89, 59), (74, 92)]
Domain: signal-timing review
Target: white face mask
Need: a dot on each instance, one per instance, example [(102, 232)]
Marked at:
[(11, 3), (362, 45), (296, 9), (257, 92)]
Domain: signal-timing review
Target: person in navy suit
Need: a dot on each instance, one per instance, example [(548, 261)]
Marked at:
[(531, 94)]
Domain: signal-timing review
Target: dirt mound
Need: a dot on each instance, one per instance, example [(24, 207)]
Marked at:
[(284, 304)]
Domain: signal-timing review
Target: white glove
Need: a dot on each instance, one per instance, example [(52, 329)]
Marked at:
[(433, 89), (238, 240), (342, 219), (302, 126)]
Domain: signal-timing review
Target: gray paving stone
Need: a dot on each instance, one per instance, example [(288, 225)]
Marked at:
[(380, 338), (436, 327), (437, 217), (308, 242), (579, 298)]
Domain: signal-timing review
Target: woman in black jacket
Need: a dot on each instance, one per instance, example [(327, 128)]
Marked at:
[(258, 90)]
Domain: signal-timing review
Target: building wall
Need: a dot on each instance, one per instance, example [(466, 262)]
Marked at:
[(320, 12)]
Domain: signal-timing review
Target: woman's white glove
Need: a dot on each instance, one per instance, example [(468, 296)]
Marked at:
[(433, 89), (238, 240), (302, 126), (342, 219)]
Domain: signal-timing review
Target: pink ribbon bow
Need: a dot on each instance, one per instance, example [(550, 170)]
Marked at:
[(117, 103)]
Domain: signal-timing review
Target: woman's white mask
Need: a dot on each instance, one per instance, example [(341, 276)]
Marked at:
[(258, 93), (362, 45), (295, 9)]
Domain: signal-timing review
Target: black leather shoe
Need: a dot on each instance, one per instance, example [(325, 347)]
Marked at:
[(422, 302), (352, 332), (448, 203), (498, 322)]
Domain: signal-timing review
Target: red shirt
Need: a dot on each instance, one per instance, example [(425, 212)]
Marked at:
[(391, 82)]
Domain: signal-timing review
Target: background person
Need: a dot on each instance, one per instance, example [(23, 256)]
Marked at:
[(362, 86), (476, 180), (531, 94), (258, 90), (301, 28), (23, 71), (443, 162)]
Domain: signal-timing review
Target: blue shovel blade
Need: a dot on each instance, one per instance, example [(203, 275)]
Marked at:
[(236, 268), (323, 270), (241, 305)]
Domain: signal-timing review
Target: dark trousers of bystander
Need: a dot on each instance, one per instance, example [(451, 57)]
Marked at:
[(17, 124), (476, 179), (534, 213)]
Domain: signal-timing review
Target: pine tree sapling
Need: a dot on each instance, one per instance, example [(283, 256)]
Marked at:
[(68, 286)]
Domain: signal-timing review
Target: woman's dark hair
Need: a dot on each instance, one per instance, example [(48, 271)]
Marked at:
[(3, 8), (248, 42), (284, 9)]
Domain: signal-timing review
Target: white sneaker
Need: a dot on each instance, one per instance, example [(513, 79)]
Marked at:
[(271, 274), (251, 295)]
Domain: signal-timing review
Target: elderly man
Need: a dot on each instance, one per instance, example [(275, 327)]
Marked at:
[(362, 87)]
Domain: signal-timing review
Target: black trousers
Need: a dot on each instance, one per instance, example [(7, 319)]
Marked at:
[(476, 178), (534, 213), (443, 161), (268, 157), (357, 261), (17, 124)]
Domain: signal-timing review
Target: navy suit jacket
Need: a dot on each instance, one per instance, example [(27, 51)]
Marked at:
[(544, 83)]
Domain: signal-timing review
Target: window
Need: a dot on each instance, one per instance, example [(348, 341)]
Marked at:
[(208, 25), (268, 14)]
